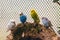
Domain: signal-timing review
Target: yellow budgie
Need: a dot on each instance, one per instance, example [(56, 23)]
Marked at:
[(36, 20), (35, 16)]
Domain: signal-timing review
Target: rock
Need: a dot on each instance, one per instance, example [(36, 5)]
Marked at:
[(30, 32)]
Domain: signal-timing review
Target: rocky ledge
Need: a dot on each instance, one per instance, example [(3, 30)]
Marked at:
[(32, 33)]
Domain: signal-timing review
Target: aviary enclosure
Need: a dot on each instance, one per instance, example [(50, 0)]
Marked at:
[(11, 9)]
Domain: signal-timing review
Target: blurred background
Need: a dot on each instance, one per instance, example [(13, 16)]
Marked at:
[(10, 9)]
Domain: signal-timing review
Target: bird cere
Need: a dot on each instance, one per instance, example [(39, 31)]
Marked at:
[(34, 27)]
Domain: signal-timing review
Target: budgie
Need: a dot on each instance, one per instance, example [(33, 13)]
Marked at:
[(35, 16), (36, 20), (23, 18), (11, 25), (46, 22)]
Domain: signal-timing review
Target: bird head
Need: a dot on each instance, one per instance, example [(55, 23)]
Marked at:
[(44, 18), (33, 11), (21, 13), (12, 21)]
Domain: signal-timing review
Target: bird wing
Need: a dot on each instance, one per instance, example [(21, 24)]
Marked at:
[(34, 16)]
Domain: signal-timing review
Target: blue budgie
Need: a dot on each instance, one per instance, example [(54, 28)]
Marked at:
[(23, 18)]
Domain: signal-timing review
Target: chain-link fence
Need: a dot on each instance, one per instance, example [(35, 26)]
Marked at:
[(10, 9)]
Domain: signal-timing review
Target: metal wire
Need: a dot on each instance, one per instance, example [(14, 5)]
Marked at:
[(10, 9)]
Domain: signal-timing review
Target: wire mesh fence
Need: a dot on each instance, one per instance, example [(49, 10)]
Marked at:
[(10, 9)]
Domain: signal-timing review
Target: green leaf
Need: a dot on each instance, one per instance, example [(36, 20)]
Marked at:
[(58, 27), (55, 0)]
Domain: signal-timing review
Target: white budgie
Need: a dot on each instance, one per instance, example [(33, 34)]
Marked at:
[(11, 25)]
